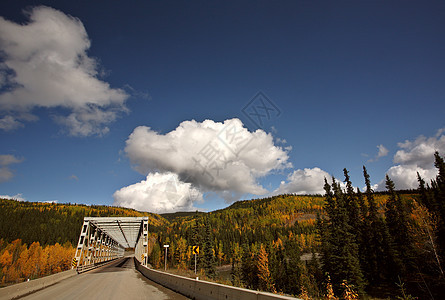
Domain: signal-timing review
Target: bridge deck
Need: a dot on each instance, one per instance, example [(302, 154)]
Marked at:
[(119, 280)]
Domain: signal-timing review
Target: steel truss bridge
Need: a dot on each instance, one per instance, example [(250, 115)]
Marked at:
[(105, 239)]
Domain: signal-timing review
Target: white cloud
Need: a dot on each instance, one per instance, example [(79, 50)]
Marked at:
[(382, 151), (18, 197), (7, 159), (405, 176), (197, 157), (8, 123), (50, 201), (415, 156), (45, 64), (304, 182), (420, 152), (5, 172), (159, 193), (214, 156)]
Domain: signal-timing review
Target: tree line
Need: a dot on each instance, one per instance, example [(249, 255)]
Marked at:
[(20, 262)]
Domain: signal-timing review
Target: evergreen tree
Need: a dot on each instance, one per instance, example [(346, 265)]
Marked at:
[(379, 261), (426, 198), (294, 269), (196, 240), (365, 229), (397, 218), (322, 226), (340, 250), (209, 258), (236, 272), (279, 268), (352, 206), (249, 268), (438, 192)]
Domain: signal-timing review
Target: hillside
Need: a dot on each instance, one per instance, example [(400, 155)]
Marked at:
[(243, 221), (264, 220), (50, 223)]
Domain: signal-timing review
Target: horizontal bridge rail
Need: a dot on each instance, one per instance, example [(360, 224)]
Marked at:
[(205, 290)]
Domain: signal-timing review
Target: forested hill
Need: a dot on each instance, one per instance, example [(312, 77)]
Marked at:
[(50, 223), (265, 220)]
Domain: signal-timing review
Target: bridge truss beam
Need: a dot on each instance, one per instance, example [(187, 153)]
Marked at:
[(105, 239), (141, 249)]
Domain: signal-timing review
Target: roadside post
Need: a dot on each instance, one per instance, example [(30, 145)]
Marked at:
[(165, 265), (195, 252)]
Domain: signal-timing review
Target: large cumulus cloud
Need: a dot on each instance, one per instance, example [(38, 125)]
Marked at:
[(45, 64), (216, 156), (220, 157)]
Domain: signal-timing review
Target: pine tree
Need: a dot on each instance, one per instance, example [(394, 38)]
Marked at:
[(438, 192), (248, 268), (209, 258), (340, 250), (294, 268), (426, 198), (397, 218), (235, 273), (352, 206), (196, 240), (315, 276), (380, 258), (279, 268), (364, 227)]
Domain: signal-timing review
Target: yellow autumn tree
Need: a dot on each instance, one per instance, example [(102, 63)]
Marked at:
[(264, 278), (5, 263), (181, 248)]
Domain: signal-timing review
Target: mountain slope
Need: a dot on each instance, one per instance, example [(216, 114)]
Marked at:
[(50, 223)]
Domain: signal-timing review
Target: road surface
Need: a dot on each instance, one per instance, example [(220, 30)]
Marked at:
[(119, 280)]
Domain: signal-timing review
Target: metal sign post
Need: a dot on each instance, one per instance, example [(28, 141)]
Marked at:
[(195, 252), (165, 265)]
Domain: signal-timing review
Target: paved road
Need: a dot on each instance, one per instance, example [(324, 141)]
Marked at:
[(119, 280)]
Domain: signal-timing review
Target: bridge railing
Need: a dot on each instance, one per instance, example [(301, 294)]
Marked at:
[(205, 290)]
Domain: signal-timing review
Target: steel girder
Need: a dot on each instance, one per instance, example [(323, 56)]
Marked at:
[(141, 249), (105, 239)]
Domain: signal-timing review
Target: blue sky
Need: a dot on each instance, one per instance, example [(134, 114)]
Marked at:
[(97, 99)]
